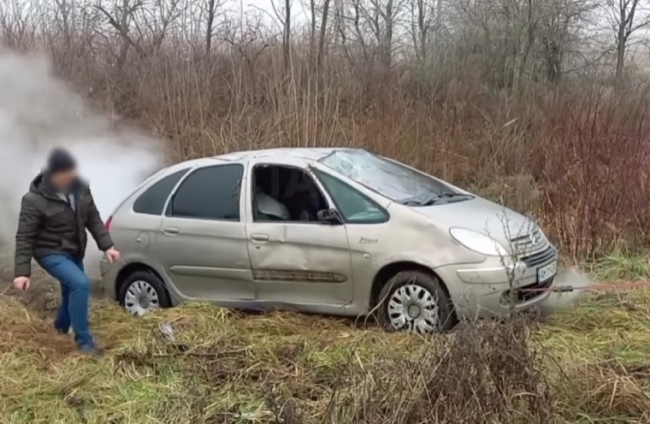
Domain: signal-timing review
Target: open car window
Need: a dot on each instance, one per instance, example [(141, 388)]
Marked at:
[(285, 193)]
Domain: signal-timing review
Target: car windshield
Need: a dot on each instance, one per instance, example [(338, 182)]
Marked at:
[(391, 179)]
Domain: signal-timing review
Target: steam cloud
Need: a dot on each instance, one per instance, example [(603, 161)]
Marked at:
[(39, 112), (572, 277)]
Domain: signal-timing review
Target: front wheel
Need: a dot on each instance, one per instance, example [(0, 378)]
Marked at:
[(143, 292), (415, 301)]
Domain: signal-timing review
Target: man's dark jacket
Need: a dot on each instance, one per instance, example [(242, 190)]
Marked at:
[(48, 224)]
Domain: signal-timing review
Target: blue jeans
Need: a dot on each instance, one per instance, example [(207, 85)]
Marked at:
[(75, 293)]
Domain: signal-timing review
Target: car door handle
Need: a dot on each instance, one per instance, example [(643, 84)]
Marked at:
[(170, 231), (259, 238)]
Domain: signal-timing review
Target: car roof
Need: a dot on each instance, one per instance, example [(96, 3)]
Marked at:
[(304, 153), (307, 153)]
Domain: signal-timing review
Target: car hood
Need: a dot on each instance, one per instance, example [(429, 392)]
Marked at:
[(480, 215)]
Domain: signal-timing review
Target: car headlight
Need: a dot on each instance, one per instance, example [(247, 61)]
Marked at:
[(479, 243)]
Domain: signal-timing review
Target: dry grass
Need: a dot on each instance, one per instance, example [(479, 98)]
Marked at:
[(587, 364)]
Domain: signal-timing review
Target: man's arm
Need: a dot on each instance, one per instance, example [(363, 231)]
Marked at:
[(96, 227), (28, 224)]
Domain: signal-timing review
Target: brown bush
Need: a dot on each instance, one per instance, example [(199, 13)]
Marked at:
[(483, 373), (574, 156)]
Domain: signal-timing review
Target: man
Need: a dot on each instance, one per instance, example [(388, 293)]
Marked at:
[(54, 216)]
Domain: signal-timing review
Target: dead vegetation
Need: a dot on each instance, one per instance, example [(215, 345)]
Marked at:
[(587, 364)]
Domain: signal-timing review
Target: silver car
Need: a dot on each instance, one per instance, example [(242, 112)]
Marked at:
[(331, 231)]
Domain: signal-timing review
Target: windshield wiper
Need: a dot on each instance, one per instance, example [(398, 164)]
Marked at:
[(428, 200)]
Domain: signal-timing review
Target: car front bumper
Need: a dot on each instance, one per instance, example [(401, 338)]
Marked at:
[(492, 287)]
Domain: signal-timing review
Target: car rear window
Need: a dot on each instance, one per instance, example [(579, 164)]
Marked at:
[(152, 201), (209, 193)]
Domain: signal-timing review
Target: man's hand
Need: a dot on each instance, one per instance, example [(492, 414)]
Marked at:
[(21, 283), (112, 255)]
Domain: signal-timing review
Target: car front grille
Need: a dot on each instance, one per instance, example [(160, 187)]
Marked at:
[(531, 242), (539, 258)]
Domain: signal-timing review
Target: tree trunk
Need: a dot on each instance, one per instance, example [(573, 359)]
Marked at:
[(323, 28), (287, 33), (620, 54), (210, 24)]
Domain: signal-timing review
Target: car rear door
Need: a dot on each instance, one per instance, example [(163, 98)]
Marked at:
[(135, 223), (202, 242)]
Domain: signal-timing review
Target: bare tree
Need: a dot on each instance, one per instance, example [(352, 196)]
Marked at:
[(424, 14), (521, 40), (212, 10), (625, 21), (323, 32), (151, 23), (349, 31), (19, 23), (381, 16), (62, 15), (283, 15), (120, 18)]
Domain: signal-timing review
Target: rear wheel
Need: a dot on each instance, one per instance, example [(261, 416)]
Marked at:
[(143, 292), (415, 301)]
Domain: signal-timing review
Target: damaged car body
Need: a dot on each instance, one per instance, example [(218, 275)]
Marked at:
[(331, 231)]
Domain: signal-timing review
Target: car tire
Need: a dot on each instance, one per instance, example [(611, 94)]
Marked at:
[(143, 292), (416, 300)]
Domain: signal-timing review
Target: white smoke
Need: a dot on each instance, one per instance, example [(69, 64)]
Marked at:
[(39, 112), (566, 277)]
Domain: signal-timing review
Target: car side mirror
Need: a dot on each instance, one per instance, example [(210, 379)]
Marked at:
[(330, 216)]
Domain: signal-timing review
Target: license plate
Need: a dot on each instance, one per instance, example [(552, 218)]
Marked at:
[(546, 272)]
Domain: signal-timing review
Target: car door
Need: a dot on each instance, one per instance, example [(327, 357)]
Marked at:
[(367, 224), (202, 241), (297, 262)]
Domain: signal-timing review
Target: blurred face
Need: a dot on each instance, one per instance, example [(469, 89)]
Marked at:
[(64, 180)]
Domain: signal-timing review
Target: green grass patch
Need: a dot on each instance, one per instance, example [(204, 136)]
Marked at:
[(589, 362)]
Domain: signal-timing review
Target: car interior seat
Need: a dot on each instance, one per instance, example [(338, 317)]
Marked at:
[(266, 208)]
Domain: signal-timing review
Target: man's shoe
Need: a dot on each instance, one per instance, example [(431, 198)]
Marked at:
[(61, 328), (91, 349)]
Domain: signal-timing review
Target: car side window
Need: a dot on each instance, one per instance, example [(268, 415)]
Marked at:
[(209, 193), (354, 206), (286, 194), (153, 200)]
